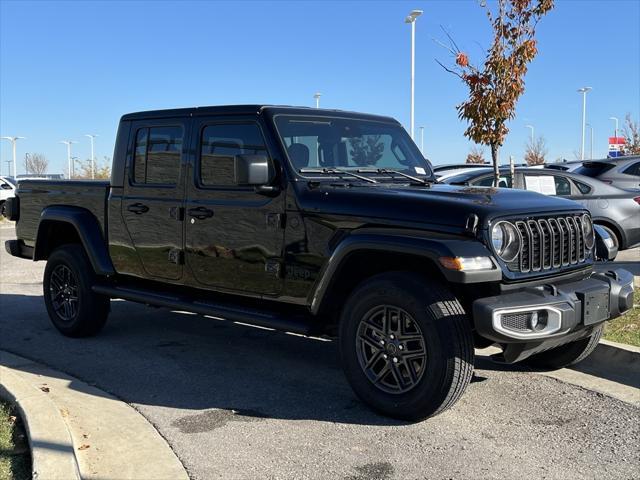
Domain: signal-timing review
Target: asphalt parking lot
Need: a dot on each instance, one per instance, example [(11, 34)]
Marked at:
[(240, 402)]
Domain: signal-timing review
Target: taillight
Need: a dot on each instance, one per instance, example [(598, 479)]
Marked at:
[(637, 200)]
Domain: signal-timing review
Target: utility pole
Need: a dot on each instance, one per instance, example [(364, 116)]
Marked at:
[(93, 158), (317, 96), (13, 141), (616, 130), (583, 91), (591, 153), (412, 20), (532, 133), (8, 167), (68, 143)]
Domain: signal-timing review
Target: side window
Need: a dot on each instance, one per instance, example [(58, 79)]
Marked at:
[(219, 144), (583, 187), (157, 155), (633, 169), (504, 182), (5, 186), (563, 187)]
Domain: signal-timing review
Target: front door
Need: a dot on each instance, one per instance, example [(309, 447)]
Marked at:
[(154, 195), (234, 235)]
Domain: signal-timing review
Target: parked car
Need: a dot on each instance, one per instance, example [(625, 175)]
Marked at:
[(623, 172), (615, 209), (322, 222), (7, 190)]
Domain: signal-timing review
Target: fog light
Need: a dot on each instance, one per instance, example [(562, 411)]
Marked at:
[(533, 321), (538, 320)]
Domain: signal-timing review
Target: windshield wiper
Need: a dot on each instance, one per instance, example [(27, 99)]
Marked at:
[(389, 171), (337, 171)]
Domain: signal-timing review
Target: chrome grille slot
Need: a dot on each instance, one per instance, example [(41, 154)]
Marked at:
[(550, 243)]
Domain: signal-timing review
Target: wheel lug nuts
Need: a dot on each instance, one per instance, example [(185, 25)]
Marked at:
[(392, 337), (395, 359), (400, 347), (381, 342), (385, 356)]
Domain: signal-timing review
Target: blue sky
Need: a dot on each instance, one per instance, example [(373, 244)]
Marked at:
[(70, 68)]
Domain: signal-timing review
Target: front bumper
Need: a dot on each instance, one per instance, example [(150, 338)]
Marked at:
[(535, 319)]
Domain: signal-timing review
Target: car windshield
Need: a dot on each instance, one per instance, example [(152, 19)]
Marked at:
[(593, 169), (317, 143)]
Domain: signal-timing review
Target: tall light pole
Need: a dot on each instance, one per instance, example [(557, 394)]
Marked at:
[(616, 130), (591, 131), (68, 143), (317, 96), (412, 20), (93, 158), (583, 91), (13, 141), (8, 166), (532, 133), (422, 140)]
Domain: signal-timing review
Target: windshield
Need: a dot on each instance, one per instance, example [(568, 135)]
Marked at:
[(355, 145), (593, 169)]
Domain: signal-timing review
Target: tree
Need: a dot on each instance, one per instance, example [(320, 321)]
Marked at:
[(102, 169), (631, 134), (536, 152), (35, 163), (476, 155), (495, 88), (366, 150)]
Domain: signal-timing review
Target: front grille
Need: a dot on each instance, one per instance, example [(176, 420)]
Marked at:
[(550, 243), (519, 322)]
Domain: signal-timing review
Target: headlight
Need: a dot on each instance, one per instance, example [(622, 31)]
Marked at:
[(506, 242), (587, 231)]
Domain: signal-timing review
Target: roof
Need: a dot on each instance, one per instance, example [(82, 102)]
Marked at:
[(251, 109)]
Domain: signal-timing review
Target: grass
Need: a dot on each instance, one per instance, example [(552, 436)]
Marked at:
[(15, 460), (625, 329)]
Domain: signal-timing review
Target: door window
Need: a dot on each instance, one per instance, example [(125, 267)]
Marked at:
[(563, 187), (157, 155), (504, 182), (220, 144)]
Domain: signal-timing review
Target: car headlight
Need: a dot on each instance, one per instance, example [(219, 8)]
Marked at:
[(506, 241), (587, 231)]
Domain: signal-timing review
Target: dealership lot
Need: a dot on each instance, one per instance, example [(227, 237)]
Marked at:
[(236, 402)]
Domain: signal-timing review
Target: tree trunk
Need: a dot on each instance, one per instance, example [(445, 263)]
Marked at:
[(496, 169)]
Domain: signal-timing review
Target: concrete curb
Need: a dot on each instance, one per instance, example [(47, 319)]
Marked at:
[(52, 452), (78, 431), (615, 361)]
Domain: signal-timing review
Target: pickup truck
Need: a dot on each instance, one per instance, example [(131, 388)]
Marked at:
[(322, 222)]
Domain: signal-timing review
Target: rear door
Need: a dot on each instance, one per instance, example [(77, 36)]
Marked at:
[(234, 235), (154, 195)]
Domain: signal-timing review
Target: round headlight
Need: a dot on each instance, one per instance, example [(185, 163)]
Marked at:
[(587, 231), (506, 242)]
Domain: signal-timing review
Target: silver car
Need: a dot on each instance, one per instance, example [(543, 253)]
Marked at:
[(615, 209), (623, 172)]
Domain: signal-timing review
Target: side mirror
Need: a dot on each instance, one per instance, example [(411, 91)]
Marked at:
[(606, 249), (252, 170)]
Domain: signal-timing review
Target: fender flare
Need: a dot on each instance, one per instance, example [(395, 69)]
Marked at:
[(429, 248), (88, 229)]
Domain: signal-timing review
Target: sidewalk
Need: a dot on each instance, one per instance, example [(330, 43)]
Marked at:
[(78, 431)]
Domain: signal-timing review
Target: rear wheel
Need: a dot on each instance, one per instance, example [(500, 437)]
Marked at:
[(406, 346), (74, 309), (566, 355)]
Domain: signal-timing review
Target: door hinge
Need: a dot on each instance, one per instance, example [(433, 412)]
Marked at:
[(276, 220), (177, 213), (176, 256)]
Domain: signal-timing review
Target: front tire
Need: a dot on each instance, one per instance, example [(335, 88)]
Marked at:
[(566, 355), (74, 309), (406, 346)]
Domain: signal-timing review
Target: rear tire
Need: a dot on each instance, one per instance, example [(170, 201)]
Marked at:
[(566, 355), (74, 309), (400, 315)]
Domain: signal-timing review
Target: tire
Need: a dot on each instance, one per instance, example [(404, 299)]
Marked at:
[(74, 309), (433, 321), (566, 355)]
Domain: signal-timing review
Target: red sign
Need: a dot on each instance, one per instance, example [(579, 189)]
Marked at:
[(616, 141)]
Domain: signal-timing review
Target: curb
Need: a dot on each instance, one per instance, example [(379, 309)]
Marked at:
[(615, 361), (52, 453)]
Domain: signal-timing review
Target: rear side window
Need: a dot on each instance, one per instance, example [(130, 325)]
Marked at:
[(504, 182), (633, 169), (583, 187), (157, 155), (593, 169), (220, 144)]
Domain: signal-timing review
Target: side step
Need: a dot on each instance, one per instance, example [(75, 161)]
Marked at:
[(295, 324)]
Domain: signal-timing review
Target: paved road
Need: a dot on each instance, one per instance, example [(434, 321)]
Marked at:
[(239, 402)]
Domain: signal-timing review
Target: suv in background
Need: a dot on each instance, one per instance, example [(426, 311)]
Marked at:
[(621, 172)]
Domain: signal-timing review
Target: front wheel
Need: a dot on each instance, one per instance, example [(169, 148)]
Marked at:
[(74, 309), (566, 355), (406, 346)]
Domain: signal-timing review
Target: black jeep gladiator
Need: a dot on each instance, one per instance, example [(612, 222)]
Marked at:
[(322, 222)]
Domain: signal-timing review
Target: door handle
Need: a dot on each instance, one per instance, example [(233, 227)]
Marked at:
[(138, 208), (200, 213)]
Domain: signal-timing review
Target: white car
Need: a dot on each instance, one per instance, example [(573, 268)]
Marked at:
[(7, 190)]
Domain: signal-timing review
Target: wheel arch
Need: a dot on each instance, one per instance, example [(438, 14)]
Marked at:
[(617, 229)]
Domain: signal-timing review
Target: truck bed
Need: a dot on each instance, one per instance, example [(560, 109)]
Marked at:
[(35, 195)]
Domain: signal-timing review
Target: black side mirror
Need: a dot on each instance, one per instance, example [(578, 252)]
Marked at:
[(252, 170)]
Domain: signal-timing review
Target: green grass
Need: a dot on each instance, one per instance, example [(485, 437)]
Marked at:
[(15, 460), (625, 329)]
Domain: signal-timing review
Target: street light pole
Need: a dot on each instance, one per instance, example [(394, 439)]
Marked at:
[(68, 143), (591, 150), (317, 96), (583, 91), (93, 158), (13, 141), (616, 130), (532, 133), (8, 166), (422, 140), (412, 20)]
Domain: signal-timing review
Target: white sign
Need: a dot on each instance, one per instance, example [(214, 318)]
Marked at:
[(540, 184)]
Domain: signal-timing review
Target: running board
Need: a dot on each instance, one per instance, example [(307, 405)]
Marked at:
[(294, 324)]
